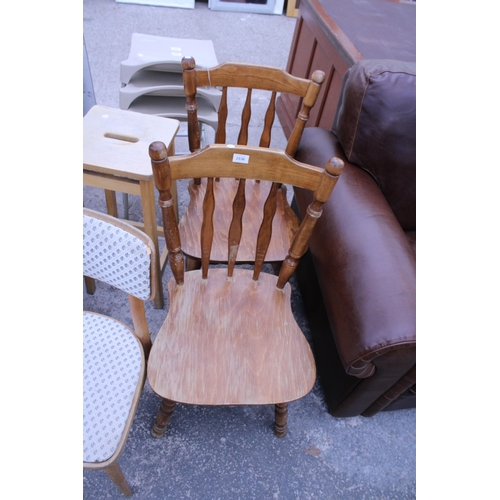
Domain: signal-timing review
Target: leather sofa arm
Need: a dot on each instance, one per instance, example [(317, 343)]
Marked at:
[(364, 262)]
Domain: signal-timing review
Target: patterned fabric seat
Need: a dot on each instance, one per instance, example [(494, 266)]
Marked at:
[(112, 359)]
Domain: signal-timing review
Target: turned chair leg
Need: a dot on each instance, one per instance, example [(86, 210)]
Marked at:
[(163, 418), (116, 475), (280, 416)]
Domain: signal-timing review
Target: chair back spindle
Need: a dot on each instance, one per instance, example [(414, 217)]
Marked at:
[(245, 119), (236, 227), (265, 230), (265, 138), (207, 227), (259, 82), (220, 135), (217, 161)]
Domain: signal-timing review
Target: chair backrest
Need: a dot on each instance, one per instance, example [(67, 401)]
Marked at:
[(241, 162), (250, 77), (118, 254), (122, 256)]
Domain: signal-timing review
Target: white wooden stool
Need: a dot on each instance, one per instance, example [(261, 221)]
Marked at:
[(115, 158)]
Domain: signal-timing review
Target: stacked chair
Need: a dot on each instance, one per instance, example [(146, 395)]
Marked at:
[(230, 337)]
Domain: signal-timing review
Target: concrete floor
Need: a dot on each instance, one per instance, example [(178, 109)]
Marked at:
[(231, 452)]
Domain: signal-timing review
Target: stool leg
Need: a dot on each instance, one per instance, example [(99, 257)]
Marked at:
[(150, 228), (111, 205), (125, 205)]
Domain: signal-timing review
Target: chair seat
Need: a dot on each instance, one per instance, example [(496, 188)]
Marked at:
[(285, 223), (113, 375), (229, 342)]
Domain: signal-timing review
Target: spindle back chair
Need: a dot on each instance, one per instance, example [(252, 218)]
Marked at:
[(253, 78), (230, 337)]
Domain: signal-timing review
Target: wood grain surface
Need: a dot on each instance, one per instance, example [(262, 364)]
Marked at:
[(285, 223), (230, 341)]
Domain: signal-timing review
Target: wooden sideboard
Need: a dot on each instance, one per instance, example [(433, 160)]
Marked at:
[(331, 35)]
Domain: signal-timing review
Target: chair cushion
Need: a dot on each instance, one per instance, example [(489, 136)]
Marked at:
[(112, 365), (375, 123), (116, 257)]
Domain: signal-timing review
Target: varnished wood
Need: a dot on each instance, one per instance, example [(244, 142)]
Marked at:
[(220, 136), (163, 418), (254, 76), (327, 182), (139, 320), (230, 342), (207, 228), (265, 138), (318, 77), (284, 226), (267, 164), (116, 475), (281, 417), (163, 181), (250, 77), (265, 231), (236, 227), (245, 119), (231, 338), (189, 79)]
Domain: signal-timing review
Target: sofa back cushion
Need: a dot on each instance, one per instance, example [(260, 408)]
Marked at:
[(375, 123)]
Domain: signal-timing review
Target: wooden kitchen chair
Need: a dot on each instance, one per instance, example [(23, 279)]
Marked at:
[(114, 356), (251, 77), (230, 337)]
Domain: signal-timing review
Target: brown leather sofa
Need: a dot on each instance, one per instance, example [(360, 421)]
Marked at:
[(358, 278)]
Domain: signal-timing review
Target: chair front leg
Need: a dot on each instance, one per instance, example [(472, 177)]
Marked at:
[(163, 418), (280, 415), (116, 475)]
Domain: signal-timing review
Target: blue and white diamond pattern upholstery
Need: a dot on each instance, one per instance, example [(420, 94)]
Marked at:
[(116, 257), (112, 369)]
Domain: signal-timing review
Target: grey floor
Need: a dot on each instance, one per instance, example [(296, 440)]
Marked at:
[(231, 452)]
